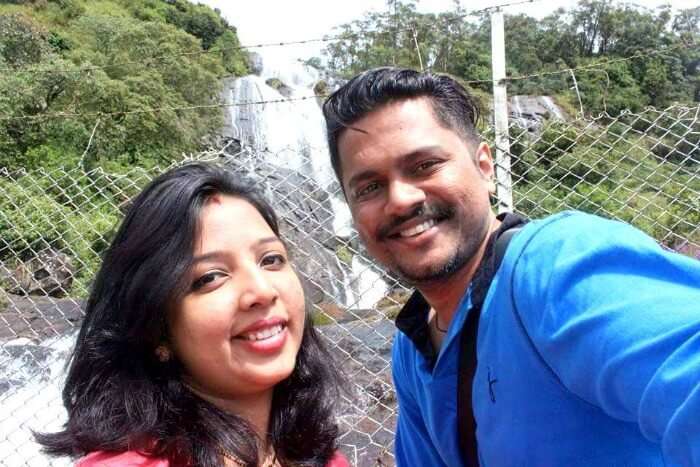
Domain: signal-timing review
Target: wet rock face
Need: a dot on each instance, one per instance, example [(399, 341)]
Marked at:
[(277, 84), (306, 223), (367, 417), (530, 112), (50, 272)]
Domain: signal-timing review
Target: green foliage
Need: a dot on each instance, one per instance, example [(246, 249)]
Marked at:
[(609, 171), (590, 32), (29, 218), (101, 63), (344, 254), (87, 237), (60, 210)]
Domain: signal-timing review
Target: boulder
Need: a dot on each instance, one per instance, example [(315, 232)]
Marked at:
[(49, 272), (279, 86)]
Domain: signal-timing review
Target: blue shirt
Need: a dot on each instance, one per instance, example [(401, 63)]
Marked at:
[(588, 355)]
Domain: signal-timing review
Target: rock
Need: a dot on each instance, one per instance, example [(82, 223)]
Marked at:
[(530, 112), (255, 63), (38, 318), (306, 219), (367, 418), (279, 86), (50, 272)]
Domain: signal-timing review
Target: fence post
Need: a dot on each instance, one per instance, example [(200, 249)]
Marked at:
[(504, 187)]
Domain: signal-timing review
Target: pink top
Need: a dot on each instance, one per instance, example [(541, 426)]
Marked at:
[(134, 459)]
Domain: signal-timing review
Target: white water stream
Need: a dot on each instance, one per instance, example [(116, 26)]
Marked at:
[(33, 401)]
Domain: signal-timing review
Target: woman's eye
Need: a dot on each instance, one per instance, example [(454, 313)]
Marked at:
[(206, 279), (273, 260)]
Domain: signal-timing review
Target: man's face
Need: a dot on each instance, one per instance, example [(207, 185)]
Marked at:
[(418, 194)]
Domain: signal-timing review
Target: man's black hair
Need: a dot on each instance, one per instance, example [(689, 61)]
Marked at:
[(454, 107)]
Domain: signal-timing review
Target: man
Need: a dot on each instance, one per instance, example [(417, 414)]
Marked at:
[(588, 350)]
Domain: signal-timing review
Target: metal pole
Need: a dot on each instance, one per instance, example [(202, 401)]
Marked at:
[(580, 103), (415, 41), (504, 186)]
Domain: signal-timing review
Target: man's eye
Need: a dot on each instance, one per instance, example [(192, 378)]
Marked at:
[(424, 166), (206, 279), (273, 260), (366, 190)]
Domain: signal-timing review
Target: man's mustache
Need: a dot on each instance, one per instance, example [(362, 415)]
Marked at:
[(422, 211)]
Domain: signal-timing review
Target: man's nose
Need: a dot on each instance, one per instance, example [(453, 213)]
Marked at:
[(258, 291), (402, 198)]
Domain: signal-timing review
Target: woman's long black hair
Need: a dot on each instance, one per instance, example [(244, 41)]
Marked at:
[(120, 397)]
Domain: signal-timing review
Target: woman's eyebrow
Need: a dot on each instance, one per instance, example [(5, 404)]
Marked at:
[(219, 254)]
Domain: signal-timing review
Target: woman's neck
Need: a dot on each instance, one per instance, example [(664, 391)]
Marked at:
[(255, 409)]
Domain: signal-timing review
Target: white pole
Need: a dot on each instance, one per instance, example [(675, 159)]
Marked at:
[(504, 187)]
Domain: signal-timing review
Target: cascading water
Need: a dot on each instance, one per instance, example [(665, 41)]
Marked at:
[(291, 135), (530, 112), (35, 376)]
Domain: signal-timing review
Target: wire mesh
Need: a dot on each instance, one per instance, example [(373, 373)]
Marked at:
[(642, 167)]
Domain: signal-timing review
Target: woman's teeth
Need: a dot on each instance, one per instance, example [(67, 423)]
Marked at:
[(263, 333)]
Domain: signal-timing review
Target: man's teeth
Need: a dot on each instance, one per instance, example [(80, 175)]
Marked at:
[(263, 333), (420, 228)]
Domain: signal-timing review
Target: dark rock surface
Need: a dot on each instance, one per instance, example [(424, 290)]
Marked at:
[(37, 318), (49, 272), (306, 216), (368, 416)]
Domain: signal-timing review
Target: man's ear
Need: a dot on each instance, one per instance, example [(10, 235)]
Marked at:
[(484, 163)]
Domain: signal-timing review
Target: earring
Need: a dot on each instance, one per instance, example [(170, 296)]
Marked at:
[(163, 353)]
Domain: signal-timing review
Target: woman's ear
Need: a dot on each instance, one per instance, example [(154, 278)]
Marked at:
[(163, 353)]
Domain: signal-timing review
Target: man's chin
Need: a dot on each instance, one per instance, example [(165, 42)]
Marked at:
[(419, 274)]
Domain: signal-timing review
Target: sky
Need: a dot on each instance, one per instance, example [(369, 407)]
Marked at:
[(266, 21)]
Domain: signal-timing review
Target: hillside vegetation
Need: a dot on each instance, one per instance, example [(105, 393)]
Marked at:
[(102, 59), (455, 42)]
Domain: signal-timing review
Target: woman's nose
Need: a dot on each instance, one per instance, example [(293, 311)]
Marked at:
[(258, 290)]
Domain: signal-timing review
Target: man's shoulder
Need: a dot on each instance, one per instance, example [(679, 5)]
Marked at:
[(578, 230), (571, 221)]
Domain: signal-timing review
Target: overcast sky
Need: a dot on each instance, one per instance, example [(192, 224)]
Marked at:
[(265, 21)]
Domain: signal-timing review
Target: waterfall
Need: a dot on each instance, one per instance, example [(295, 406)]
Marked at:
[(283, 131), (531, 112), (553, 108), (289, 133)]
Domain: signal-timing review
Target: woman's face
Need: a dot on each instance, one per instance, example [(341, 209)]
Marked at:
[(238, 328)]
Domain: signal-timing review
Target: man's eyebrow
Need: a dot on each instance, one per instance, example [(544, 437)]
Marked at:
[(219, 254)]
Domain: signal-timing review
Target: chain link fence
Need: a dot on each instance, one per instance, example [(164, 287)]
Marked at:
[(642, 167)]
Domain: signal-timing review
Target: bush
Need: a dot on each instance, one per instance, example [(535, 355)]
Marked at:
[(30, 219), (81, 225)]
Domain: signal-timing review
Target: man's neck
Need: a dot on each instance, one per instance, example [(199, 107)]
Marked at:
[(444, 295)]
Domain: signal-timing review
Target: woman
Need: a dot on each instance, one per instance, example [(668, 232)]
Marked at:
[(195, 349)]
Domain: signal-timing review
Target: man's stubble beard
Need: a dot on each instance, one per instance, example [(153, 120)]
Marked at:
[(467, 249)]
